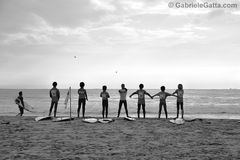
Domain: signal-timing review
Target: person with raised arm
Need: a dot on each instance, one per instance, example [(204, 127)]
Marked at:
[(163, 96), (141, 99), (179, 93)]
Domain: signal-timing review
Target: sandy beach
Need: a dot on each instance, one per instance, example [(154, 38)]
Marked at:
[(23, 138)]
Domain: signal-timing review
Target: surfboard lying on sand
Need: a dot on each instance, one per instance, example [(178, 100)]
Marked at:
[(90, 120), (61, 119), (129, 118), (5, 122), (177, 121), (43, 118), (192, 119), (105, 120)]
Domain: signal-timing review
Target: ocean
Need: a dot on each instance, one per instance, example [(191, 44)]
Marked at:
[(216, 104)]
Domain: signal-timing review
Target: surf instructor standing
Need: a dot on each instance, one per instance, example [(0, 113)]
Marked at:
[(55, 96)]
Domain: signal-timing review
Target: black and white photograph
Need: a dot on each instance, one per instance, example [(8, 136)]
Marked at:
[(119, 79)]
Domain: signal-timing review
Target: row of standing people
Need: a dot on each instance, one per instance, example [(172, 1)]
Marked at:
[(141, 100), (55, 96)]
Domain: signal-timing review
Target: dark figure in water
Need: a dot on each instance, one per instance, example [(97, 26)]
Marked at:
[(19, 101), (55, 96), (141, 99), (105, 95), (82, 99), (123, 101), (163, 96)]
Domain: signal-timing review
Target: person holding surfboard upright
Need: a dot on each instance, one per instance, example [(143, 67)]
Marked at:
[(141, 99), (123, 94), (179, 93), (82, 99), (19, 101), (105, 95), (55, 96), (163, 96)]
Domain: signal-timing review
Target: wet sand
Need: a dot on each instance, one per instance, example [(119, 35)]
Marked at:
[(23, 138)]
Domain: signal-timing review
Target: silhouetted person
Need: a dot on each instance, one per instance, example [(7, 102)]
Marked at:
[(162, 95), (179, 93), (55, 96), (141, 99), (19, 101), (105, 95), (123, 100), (82, 99)]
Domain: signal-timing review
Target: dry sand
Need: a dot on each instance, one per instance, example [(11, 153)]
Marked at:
[(25, 139)]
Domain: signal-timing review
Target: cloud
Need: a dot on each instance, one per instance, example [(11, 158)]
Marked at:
[(111, 29), (236, 12), (15, 15), (216, 13), (157, 7), (103, 5), (40, 32), (192, 27), (141, 35)]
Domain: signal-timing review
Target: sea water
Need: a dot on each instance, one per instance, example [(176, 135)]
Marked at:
[(220, 104)]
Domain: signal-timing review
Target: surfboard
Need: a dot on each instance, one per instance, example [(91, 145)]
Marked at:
[(192, 119), (90, 120), (105, 120), (5, 122), (27, 106), (43, 118), (177, 121), (129, 118), (61, 119)]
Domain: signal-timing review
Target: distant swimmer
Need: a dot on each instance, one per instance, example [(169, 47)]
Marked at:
[(55, 96), (19, 101), (105, 95), (82, 97), (163, 96), (179, 93), (123, 99), (141, 99)]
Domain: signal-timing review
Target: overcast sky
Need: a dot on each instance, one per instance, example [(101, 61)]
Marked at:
[(117, 41)]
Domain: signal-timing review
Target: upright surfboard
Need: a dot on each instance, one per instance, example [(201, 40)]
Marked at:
[(61, 119), (43, 118), (90, 120)]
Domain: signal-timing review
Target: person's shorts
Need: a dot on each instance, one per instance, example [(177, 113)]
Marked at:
[(82, 100)]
